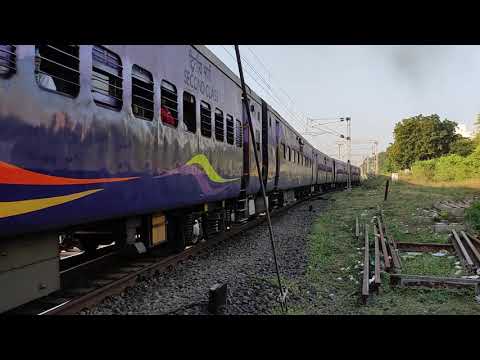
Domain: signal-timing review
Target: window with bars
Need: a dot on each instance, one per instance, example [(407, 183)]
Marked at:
[(142, 93), (219, 125), (8, 60), (239, 133), (107, 78), (230, 130), (57, 68), (169, 111), (205, 119), (189, 112)]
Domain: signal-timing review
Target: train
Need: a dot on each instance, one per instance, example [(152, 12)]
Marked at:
[(147, 145)]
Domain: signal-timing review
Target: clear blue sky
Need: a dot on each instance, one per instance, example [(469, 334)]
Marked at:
[(376, 86)]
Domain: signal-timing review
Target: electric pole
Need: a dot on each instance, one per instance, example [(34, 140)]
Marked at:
[(349, 153)]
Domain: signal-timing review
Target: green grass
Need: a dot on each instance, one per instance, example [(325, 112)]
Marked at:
[(427, 264), (472, 216), (332, 247)]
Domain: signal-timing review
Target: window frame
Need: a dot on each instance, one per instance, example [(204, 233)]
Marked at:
[(52, 75), (101, 70), (10, 60), (194, 109), (219, 112), (239, 133), (162, 89), (232, 133), (202, 102), (152, 91)]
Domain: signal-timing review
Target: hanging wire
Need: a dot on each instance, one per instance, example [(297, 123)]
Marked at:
[(245, 101)]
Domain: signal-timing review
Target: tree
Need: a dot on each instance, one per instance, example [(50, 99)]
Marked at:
[(462, 146), (384, 163), (421, 138)]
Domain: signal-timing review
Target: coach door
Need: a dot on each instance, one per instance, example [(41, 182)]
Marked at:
[(277, 147), (334, 174)]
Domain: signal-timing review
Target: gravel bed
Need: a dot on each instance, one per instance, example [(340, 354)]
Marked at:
[(244, 262)]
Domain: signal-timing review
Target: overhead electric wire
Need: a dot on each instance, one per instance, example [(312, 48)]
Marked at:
[(267, 88), (300, 118)]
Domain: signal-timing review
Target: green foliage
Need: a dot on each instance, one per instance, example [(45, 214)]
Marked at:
[(421, 138), (462, 147), (472, 216), (452, 167), (476, 139), (424, 170), (384, 163)]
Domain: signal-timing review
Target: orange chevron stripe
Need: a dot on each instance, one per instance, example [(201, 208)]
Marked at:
[(12, 208), (10, 174)]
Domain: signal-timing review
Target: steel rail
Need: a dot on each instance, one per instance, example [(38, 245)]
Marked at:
[(74, 304)]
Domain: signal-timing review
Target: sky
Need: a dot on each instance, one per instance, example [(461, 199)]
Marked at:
[(376, 86)]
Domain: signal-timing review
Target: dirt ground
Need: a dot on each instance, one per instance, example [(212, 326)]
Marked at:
[(335, 257)]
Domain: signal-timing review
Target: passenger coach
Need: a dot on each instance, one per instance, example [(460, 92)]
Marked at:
[(147, 145)]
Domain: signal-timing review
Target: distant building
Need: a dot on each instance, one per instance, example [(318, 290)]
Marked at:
[(463, 130)]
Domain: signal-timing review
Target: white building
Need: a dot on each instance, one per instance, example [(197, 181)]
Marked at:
[(463, 130)]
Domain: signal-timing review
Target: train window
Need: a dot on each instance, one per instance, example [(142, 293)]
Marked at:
[(230, 134), (257, 139), (205, 119), (189, 112), (142, 93), (239, 138), (289, 153), (107, 78), (270, 122), (8, 60), (284, 150), (219, 125), (169, 111), (57, 68)]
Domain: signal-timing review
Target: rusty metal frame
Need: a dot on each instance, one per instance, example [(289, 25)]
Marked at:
[(366, 270)]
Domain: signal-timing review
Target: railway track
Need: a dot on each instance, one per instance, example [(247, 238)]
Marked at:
[(87, 284)]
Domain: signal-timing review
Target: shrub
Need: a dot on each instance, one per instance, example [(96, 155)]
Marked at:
[(424, 170), (472, 216), (451, 168)]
